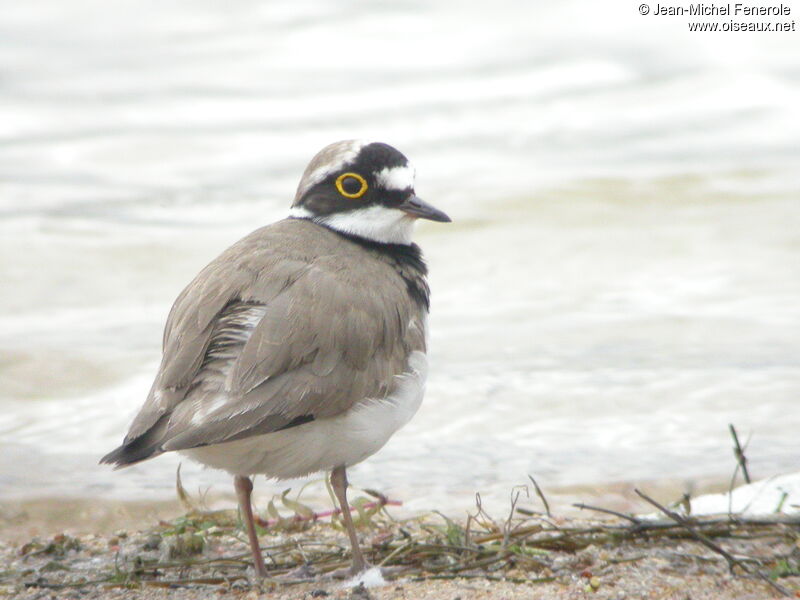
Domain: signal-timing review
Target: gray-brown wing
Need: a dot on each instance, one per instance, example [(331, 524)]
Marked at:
[(191, 322), (324, 343)]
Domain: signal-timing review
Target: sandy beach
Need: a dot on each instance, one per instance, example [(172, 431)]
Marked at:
[(203, 554)]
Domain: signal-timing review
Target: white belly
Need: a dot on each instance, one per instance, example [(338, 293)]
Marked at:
[(323, 444)]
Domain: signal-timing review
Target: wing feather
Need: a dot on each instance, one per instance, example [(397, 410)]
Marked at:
[(311, 356), (313, 352)]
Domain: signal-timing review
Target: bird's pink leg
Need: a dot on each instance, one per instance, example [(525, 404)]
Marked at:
[(339, 485), (244, 487)]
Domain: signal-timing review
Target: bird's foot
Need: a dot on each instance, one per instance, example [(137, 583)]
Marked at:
[(260, 570)]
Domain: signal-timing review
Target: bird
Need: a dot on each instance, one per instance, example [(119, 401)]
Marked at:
[(302, 347)]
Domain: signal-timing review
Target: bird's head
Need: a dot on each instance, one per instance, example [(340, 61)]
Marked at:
[(364, 189)]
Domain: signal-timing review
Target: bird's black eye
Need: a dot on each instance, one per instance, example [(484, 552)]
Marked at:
[(351, 185)]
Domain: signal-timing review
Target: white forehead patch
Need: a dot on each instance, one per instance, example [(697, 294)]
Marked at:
[(396, 178)]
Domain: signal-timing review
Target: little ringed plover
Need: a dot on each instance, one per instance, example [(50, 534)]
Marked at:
[(302, 347)]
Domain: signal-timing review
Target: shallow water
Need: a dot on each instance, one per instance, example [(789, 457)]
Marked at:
[(620, 281)]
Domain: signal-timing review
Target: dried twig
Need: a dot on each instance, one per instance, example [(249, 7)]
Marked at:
[(738, 452), (183, 496), (515, 492), (541, 496), (608, 511), (732, 560), (316, 516)]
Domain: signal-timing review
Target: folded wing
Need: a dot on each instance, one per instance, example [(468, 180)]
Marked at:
[(265, 339)]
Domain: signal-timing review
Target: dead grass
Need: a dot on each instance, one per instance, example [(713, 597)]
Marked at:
[(207, 550)]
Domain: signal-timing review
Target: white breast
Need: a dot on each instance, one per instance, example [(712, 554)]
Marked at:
[(323, 444)]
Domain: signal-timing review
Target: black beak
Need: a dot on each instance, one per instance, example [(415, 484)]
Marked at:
[(419, 209)]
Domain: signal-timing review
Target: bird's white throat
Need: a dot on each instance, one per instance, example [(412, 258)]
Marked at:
[(377, 223)]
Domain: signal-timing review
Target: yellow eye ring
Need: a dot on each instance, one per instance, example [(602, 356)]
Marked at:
[(340, 185)]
